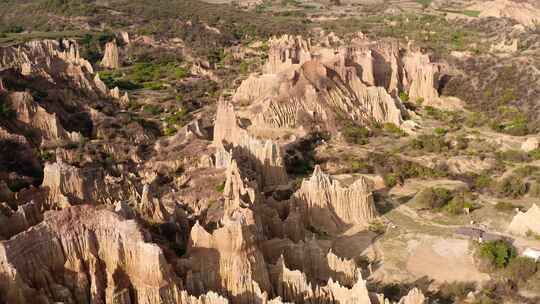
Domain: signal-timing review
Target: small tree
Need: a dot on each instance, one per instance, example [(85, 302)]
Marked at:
[(496, 254), (511, 186), (433, 198)]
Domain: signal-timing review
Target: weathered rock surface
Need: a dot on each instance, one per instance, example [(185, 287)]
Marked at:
[(317, 264), (330, 207), (84, 255), (227, 261), (322, 84), (292, 285), (51, 59), (261, 157), (531, 144), (525, 222), (35, 117), (111, 56), (15, 221)]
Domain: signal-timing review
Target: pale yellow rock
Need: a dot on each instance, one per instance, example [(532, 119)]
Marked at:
[(111, 56), (227, 261), (30, 112), (52, 60), (82, 254), (525, 222), (330, 207), (264, 157), (532, 143)]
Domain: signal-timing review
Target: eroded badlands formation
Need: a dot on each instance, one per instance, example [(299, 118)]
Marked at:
[(307, 83), (87, 231)]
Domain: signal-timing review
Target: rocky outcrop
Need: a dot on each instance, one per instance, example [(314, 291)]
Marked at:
[(53, 60), (35, 117), (328, 206), (526, 222), (422, 77), (68, 185), (318, 85), (85, 255), (286, 51), (292, 285), (317, 264), (227, 261), (111, 56), (236, 193), (531, 144), (414, 296), (263, 158), (15, 221)]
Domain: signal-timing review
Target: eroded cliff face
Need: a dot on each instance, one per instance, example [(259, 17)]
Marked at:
[(83, 255), (325, 82), (111, 57), (261, 157), (330, 207)]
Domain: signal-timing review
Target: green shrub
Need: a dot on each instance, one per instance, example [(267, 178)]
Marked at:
[(482, 181), (433, 198), (179, 118), (114, 79), (535, 154), (169, 131), (475, 120), (300, 166), (430, 143), (221, 187), (440, 131), (152, 109), (47, 156), (515, 156), (377, 227), (6, 112), (458, 204), (505, 207), (355, 134), (496, 254), (471, 13), (511, 186), (404, 96), (15, 29), (526, 171), (154, 85), (517, 127), (390, 180), (391, 128)]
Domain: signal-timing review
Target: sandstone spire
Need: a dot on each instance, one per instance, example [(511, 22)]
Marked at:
[(263, 157), (110, 57), (227, 261), (80, 255), (328, 206)]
